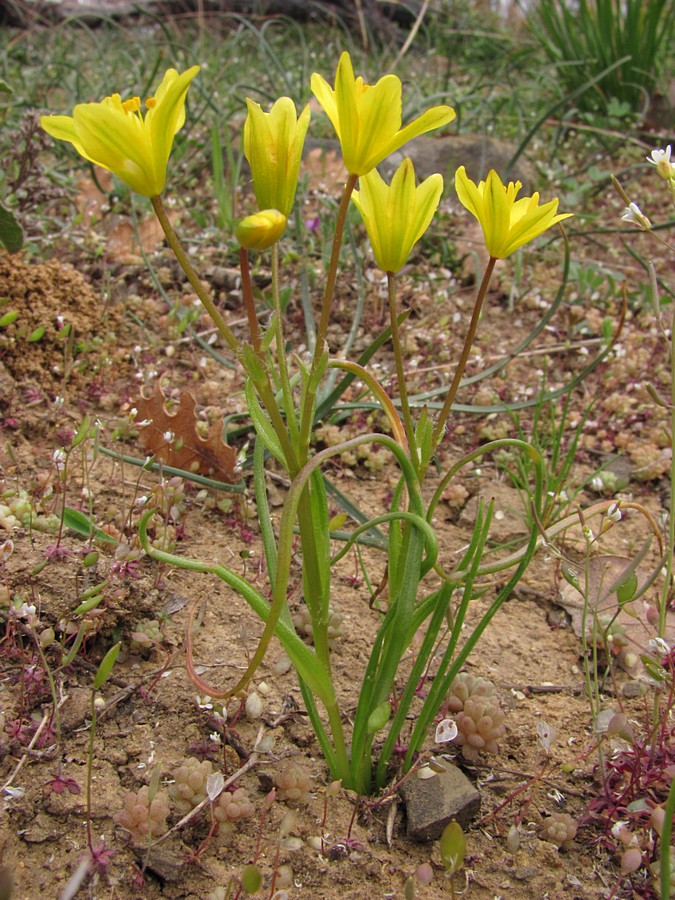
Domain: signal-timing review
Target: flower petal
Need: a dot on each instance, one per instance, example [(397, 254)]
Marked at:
[(325, 95), (379, 117), (114, 140), (367, 118), (115, 135), (433, 118), (166, 118)]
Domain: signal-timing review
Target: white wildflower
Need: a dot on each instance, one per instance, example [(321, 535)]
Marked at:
[(661, 159), (635, 216)]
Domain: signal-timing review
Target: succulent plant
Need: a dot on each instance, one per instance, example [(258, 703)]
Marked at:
[(477, 712), (293, 783), (144, 818), (233, 807), (189, 788), (559, 829), (303, 625)]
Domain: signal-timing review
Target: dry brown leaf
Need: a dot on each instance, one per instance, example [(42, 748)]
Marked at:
[(174, 439)]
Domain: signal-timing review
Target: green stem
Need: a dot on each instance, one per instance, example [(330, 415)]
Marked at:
[(249, 302), (326, 307), (282, 362), (400, 372), (90, 758), (668, 586), (466, 349), (192, 277), (264, 389), (331, 277), (664, 852), (303, 659)]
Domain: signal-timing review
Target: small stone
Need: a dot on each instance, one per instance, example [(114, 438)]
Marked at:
[(632, 689), (41, 829), (526, 873), (434, 802)]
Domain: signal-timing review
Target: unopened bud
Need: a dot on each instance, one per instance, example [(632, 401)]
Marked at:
[(261, 230)]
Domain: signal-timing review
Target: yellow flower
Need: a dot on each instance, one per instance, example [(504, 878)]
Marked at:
[(396, 215), (261, 230), (367, 118), (507, 223), (273, 146), (115, 135)]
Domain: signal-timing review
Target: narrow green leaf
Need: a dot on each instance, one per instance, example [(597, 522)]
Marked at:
[(262, 424), (77, 521), (82, 431), (106, 667), (89, 604)]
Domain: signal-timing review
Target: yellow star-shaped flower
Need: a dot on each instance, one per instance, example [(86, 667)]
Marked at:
[(367, 117), (396, 215), (115, 135), (507, 223)]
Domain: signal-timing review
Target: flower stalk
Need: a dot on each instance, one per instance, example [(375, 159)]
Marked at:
[(441, 422), (195, 282)]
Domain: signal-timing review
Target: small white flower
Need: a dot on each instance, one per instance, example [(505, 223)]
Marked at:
[(614, 513), (59, 458), (635, 216), (26, 611), (661, 159), (660, 646), (204, 702)]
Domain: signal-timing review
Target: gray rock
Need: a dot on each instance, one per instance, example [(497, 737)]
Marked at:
[(445, 154), (478, 153), (431, 803)]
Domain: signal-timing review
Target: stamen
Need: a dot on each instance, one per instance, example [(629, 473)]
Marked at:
[(150, 103), (132, 105)]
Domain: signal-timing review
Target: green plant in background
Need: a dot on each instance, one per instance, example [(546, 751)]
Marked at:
[(287, 396), (11, 233), (618, 49), (638, 788)]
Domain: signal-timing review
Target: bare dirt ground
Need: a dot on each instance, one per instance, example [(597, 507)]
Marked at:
[(324, 844)]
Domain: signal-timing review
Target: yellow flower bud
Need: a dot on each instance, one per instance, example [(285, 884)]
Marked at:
[(261, 230)]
